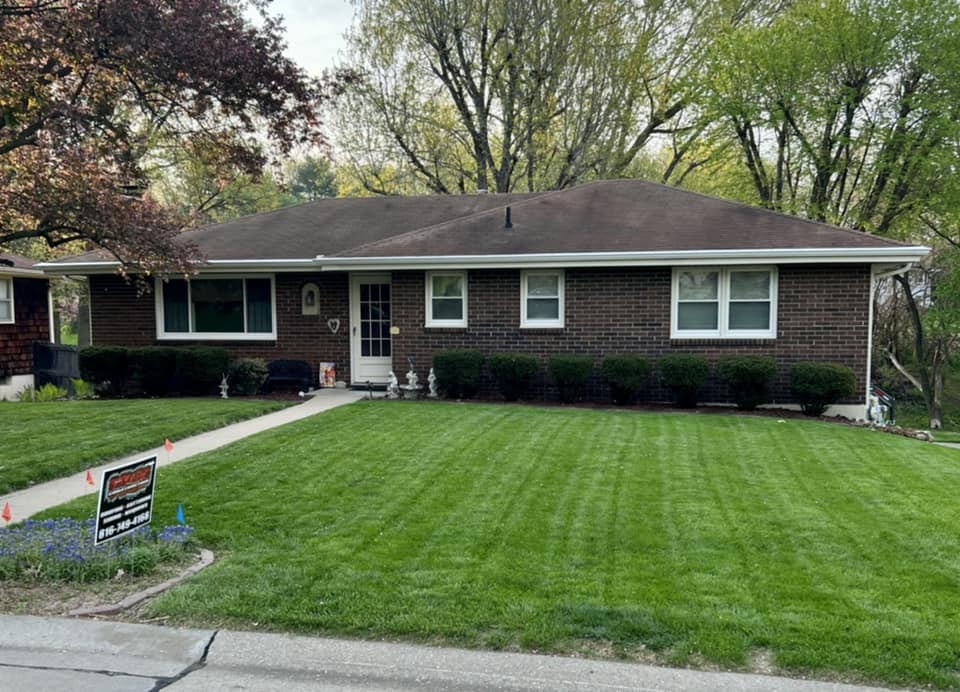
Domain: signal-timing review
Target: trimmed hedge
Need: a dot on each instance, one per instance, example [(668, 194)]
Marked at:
[(818, 385), (571, 374), (154, 370), (105, 367), (684, 374), (513, 372), (749, 379), (625, 374), (458, 373), (247, 375)]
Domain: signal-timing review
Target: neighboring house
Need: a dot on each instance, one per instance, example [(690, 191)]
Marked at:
[(24, 320), (608, 267)]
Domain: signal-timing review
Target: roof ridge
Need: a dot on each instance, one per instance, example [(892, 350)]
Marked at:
[(528, 197)]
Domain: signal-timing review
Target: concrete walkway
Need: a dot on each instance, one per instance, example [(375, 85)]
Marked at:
[(29, 501)]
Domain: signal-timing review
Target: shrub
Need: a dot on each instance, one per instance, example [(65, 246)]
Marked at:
[(200, 369), (105, 367), (48, 392), (817, 385), (749, 379), (513, 372), (571, 374), (153, 367), (83, 390), (247, 375), (625, 374), (684, 374), (458, 373)]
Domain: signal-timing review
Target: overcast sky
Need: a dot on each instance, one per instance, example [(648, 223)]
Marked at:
[(314, 30)]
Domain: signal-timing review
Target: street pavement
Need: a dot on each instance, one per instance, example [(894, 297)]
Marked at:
[(64, 655), (76, 655)]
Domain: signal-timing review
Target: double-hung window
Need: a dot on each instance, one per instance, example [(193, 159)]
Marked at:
[(541, 299), (724, 302), (216, 308), (446, 299), (6, 301)]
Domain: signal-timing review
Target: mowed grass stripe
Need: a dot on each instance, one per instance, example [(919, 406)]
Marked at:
[(44, 441), (701, 538)]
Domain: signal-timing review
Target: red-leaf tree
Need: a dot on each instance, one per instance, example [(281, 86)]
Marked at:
[(91, 91)]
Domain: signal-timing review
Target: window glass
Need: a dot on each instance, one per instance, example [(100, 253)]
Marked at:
[(543, 285), (217, 305), (697, 316), (750, 315), (176, 313), (447, 298), (699, 285), (6, 300), (259, 308), (750, 285)]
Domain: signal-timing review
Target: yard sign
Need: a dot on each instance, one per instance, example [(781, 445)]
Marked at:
[(126, 499)]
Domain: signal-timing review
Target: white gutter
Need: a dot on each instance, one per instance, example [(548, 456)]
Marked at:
[(673, 258), (877, 273), (21, 273), (209, 267)]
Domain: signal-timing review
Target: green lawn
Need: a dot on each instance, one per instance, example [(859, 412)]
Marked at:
[(682, 538), (41, 442)]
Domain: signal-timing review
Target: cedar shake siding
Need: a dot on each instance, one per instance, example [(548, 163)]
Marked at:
[(121, 317), (31, 324), (822, 315)]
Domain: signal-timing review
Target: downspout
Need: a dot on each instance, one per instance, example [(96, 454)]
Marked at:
[(875, 278), (50, 320)]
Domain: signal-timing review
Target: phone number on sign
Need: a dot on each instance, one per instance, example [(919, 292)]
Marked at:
[(124, 525)]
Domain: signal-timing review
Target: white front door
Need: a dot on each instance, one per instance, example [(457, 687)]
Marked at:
[(370, 347)]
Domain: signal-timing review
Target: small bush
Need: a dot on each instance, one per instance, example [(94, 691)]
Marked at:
[(201, 368), (48, 392), (247, 375), (105, 367), (684, 374), (83, 390), (749, 378), (571, 374), (513, 372), (458, 373), (625, 374), (818, 385), (153, 367)]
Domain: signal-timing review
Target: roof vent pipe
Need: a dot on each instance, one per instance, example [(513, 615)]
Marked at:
[(507, 222)]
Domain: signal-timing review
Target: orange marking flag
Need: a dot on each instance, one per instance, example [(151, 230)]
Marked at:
[(7, 514)]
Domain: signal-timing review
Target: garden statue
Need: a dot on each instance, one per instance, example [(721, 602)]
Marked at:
[(224, 386), (432, 383), (412, 379), (393, 387)]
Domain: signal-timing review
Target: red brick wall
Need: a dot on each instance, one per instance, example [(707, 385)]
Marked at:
[(823, 315), (31, 323), (119, 316)]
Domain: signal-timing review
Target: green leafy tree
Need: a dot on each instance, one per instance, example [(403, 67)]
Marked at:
[(511, 95)]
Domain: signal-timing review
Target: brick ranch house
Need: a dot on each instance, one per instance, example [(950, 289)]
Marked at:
[(608, 267), (24, 320)]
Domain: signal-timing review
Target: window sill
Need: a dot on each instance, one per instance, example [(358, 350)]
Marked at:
[(723, 340)]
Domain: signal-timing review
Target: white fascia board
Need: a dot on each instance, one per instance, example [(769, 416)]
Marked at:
[(21, 273), (893, 255)]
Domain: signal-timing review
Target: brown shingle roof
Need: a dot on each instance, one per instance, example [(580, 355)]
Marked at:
[(631, 216)]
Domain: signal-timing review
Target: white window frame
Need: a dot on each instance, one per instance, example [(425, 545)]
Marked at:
[(434, 322), (723, 301), (163, 335), (13, 311), (533, 323)]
